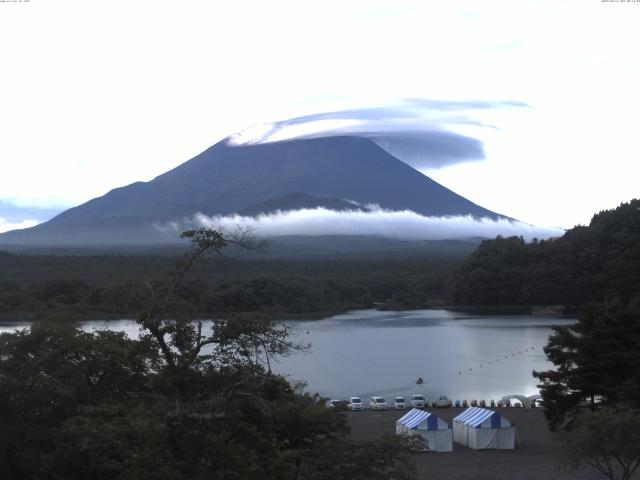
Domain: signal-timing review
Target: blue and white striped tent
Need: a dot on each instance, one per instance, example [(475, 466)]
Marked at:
[(436, 432), (481, 428)]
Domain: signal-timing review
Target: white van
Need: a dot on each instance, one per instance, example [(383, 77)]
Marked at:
[(377, 403), (399, 403), (355, 403), (417, 401)]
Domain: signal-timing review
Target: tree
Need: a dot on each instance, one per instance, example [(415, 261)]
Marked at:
[(50, 371), (587, 264), (180, 402), (596, 358), (173, 324), (607, 440)]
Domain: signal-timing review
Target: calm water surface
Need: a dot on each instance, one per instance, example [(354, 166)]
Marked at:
[(370, 352)]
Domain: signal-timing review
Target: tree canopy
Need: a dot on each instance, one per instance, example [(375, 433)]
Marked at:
[(596, 359), (597, 263), (592, 395), (607, 440), (182, 401)]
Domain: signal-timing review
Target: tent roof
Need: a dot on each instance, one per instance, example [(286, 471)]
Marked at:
[(413, 418), (472, 412), (475, 416), (416, 419)]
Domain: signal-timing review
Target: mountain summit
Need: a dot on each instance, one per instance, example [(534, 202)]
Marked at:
[(252, 179)]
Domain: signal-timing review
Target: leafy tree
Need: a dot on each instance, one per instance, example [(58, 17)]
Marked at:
[(607, 440), (597, 263), (46, 374), (595, 358), (183, 401)]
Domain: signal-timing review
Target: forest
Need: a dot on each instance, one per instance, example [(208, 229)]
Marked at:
[(589, 264), (99, 286)]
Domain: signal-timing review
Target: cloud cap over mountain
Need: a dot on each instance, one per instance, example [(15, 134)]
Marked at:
[(417, 131)]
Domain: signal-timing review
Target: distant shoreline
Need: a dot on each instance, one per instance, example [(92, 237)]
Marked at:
[(559, 311)]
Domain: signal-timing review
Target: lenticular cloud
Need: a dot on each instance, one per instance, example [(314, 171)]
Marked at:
[(402, 225), (415, 130)]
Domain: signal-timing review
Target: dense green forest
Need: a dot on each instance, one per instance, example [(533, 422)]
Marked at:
[(101, 286), (588, 264), (593, 271)]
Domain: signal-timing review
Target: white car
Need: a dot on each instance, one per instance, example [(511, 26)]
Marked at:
[(399, 403), (355, 403), (377, 403), (442, 402), (417, 401)]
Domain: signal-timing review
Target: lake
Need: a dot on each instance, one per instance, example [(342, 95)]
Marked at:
[(463, 356), (372, 352)]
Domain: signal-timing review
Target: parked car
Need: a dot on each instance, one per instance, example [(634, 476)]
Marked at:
[(355, 403), (417, 401), (377, 403), (399, 403), (442, 402)]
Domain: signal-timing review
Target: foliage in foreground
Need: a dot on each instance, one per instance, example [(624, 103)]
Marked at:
[(596, 360), (607, 440), (592, 397), (180, 402)]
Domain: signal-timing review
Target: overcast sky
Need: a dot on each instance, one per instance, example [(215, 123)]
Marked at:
[(537, 100)]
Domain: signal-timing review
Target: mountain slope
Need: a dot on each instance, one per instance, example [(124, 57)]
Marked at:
[(226, 179), (297, 201)]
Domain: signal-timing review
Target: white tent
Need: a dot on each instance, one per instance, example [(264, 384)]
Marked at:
[(436, 432), (480, 428)]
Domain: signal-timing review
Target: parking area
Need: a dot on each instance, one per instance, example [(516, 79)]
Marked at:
[(535, 459)]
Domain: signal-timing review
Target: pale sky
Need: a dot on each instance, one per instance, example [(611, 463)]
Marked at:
[(98, 94)]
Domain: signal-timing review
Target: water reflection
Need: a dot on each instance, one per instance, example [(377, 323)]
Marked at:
[(460, 355)]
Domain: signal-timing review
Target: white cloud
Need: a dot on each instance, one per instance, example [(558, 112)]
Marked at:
[(417, 131), (405, 225), (6, 225)]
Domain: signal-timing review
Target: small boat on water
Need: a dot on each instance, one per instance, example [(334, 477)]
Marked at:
[(419, 381)]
